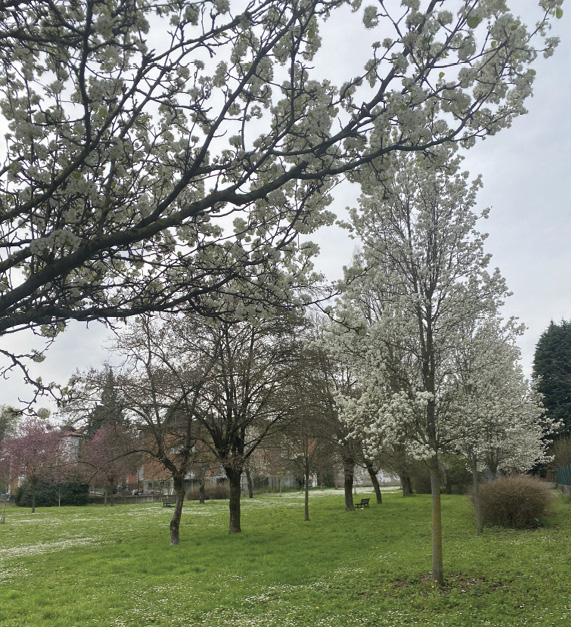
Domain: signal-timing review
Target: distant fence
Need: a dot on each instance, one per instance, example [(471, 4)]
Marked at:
[(564, 479)]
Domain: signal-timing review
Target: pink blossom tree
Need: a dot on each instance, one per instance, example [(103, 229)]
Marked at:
[(33, 453), (5, 478), (109, 456), (8, 422)]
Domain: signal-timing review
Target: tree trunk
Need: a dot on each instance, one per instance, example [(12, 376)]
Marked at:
[(348, 470), (477, 505), (234, 476), (33, 484), (437, 565), (202, 490), (374, 481), (306, 495), (250, 484), (3, 521), (406, 485), (447, 482), (175, 522)]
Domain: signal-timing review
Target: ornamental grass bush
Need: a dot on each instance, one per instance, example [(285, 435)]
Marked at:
[(519, 501)]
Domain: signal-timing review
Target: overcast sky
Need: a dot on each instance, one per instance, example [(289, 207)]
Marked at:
[(526, 173), (527, 184)]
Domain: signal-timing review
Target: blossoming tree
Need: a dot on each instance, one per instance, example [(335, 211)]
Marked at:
[(498, 414), (157, 152), (422, 272), (34, 452)]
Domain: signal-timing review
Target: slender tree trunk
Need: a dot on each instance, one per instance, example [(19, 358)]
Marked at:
[(406, 485), (477, 505), (374, 481), (177, 515), (437, 563), (202, 489), (447, 483), (306, 495), (348, 475), (105, 496), (3, 521), (33, 484), (249, 482), (234, 476)]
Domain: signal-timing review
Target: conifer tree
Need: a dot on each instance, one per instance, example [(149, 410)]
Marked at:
[(552, 371)]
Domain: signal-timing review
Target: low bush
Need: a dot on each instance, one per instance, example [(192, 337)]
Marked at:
[(519, 501), (419, 474), (48, 494), (457, 478)]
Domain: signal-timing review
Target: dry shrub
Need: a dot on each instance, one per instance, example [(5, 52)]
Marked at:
[(516, 501)]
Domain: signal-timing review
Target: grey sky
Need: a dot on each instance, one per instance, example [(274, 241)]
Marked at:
[(527, 184), (526, 173)]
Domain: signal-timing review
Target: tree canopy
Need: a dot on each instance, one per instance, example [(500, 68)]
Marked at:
[(160, 153)]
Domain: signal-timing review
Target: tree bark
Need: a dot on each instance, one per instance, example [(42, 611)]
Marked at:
[(250, 484), (348, 475), (234, 476), (447, 482), (374, 481), (202, 490), (306, 495), (33, 484), (177, 514), (406, 485), (477, 504), (437, 562)]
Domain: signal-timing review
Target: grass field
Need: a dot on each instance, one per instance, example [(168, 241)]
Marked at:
[(113, 566)]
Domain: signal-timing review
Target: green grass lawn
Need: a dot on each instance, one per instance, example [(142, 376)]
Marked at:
[(113, 566)]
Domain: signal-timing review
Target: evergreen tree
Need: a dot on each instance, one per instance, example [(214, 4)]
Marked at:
[(110, 410), (8, 421), (552, 369)]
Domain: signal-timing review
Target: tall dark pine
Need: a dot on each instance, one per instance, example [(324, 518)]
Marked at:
[(110, 411), (552, 366)]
